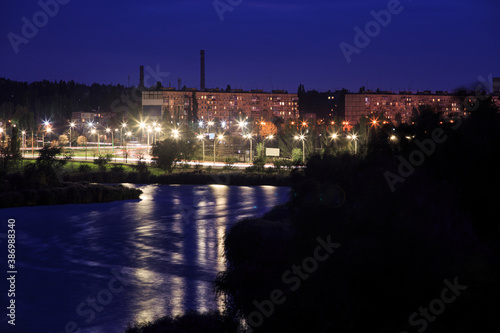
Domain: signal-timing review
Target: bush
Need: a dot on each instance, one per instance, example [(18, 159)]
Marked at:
[(211, 322), (84, 168), (102, 160), (118, 169)]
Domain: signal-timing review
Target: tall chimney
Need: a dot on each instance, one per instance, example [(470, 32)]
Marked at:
[(202, 70), (141, 76)]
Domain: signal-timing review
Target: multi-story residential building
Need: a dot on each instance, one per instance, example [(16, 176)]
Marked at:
[(81, 119), (219, 105), (396, 107)]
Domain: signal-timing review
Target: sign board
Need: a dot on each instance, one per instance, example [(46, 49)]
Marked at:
[(273, 152)]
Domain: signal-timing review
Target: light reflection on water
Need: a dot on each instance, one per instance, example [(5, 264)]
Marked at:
[(168, 247)]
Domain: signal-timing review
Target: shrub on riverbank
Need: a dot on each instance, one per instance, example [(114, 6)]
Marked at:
[(68, 193), (191, 322)]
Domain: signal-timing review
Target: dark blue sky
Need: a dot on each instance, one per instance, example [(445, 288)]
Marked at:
[(435, 45)]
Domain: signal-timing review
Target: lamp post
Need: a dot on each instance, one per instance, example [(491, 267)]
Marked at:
[(125, 151), (93, 131), (220, 137), (355, 138), (302, 138), (142, 125), (121, 131), (209, 123), (112, 139), (249, 137), (200, 137), (242, 125), (269, 137), (71, 125), (24, 141), (156, 131), (49, 130)]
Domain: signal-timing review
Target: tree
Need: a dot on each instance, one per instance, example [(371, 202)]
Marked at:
[(267, 128), (81, 140), (63, 140), (102, 161), (9, 154), (194, 106), (168, 152)]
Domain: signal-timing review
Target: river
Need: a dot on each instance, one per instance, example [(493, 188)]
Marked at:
[(97, 267)]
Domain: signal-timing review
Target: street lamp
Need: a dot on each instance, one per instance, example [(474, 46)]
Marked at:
[(121, 131), (49, 130), (249, 137), (209, 123), (142, 126), (24, 140), (269, 137), (302, 138), (94, 131), (112, 138), (242, 124), (71, 125), (175, 133), (220, 137), (149, 130), (201, 138), (157, 131), (355, 138)]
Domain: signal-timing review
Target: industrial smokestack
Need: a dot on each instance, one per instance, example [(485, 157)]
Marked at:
[(202, 70), (141, 76)]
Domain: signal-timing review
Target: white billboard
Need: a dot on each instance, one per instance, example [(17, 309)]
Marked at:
[(273, 152)]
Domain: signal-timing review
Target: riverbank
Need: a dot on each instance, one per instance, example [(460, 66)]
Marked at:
[(67, 193), (198, 177)]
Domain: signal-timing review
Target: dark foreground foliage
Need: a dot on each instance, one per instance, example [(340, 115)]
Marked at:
[(396, 245), (191, 322)]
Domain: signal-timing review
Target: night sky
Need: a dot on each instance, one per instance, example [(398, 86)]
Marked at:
[(436, 45)]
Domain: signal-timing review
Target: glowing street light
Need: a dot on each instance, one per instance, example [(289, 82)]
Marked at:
[(94, 131), (71, 125), (302, 138), (220, 137), (355, 138), (175, 134), (209, 124), (24, 139), (269, 137), (112, 138), (249, 137)]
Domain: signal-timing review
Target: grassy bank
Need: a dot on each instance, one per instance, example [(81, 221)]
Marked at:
[(187, 178)]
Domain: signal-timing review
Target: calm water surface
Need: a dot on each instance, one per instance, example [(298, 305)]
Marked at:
[(98, 267)]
